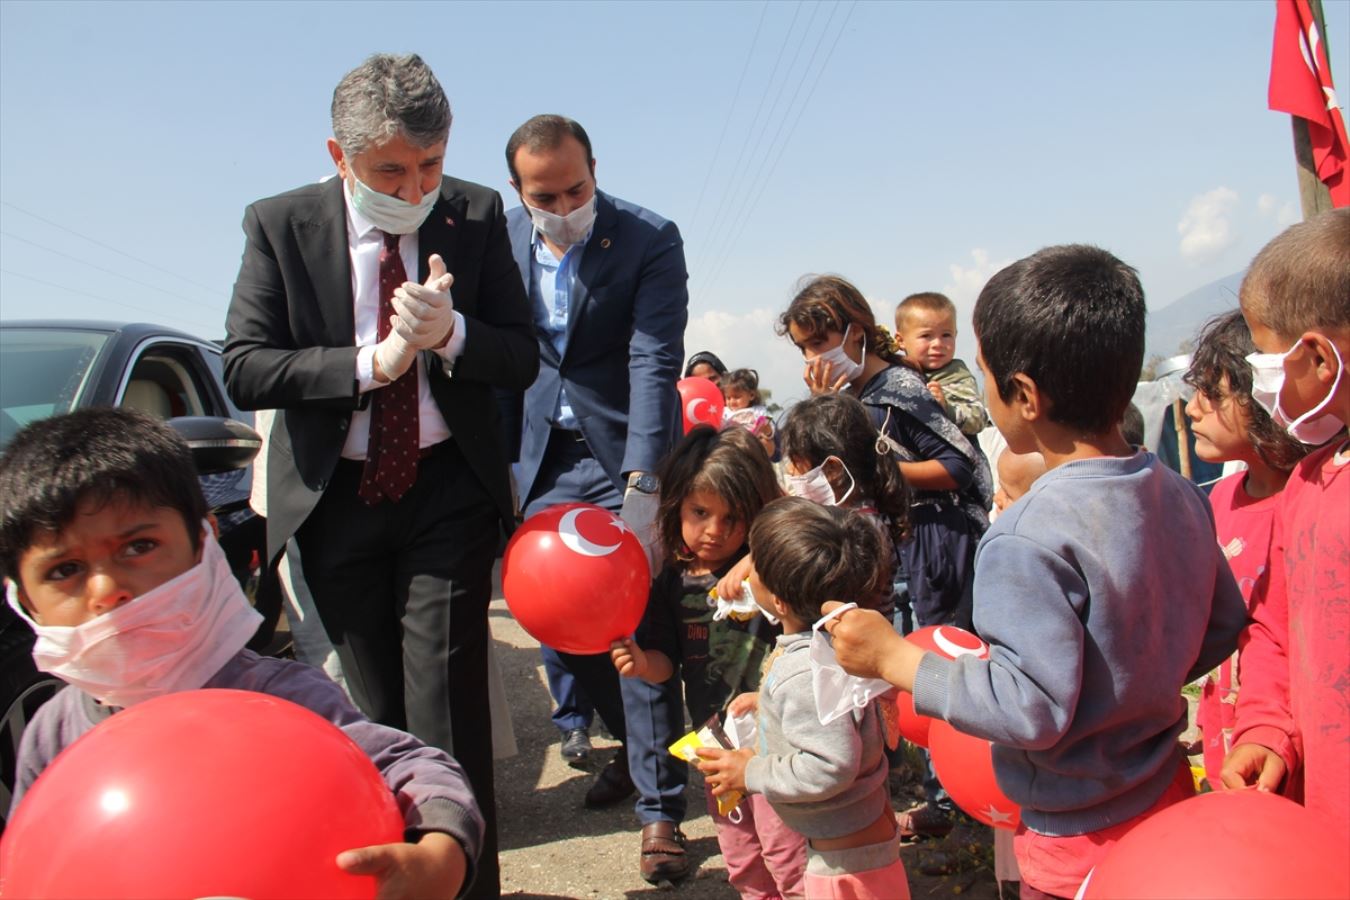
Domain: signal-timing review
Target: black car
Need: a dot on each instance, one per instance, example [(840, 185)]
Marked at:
[(48, 367)]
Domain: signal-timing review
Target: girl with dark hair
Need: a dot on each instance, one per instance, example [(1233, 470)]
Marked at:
[(829, 454), (713, 484), (1229, 425)]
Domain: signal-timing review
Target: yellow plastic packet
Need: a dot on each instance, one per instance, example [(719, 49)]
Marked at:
[(710, 735)]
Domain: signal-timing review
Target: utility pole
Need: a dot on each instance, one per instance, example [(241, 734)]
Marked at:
[(1313, 195)]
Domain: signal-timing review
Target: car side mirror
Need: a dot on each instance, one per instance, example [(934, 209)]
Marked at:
[(217, 444)]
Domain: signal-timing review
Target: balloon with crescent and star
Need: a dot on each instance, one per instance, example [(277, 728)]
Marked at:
[(576, 578)]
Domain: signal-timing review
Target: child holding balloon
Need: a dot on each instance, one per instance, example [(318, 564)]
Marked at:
[(822, 768), (1229, 425), (713, 484), (108, 555), (1094, 615)]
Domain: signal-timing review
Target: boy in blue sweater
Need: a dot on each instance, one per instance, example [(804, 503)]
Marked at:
[(1101, 592)]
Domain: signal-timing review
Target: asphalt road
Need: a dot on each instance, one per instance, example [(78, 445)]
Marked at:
[(553, 847)]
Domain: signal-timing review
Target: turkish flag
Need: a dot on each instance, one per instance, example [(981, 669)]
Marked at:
[(1300, 84)]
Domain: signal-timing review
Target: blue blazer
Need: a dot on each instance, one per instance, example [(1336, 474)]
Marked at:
[(625, 344)]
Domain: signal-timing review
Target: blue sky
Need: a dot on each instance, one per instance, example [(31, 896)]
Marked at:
[(906, 146)]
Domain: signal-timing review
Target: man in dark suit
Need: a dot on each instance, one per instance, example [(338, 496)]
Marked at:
[(607, 285), (387, 464)]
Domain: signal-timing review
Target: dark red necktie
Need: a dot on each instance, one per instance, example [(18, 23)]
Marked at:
[(391, 455)]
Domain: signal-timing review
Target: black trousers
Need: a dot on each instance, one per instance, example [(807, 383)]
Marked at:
[(403, 590)]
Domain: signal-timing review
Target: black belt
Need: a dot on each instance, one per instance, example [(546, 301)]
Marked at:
[(567, 433)]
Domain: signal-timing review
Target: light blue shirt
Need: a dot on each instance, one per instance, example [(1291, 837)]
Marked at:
[(551, 284)]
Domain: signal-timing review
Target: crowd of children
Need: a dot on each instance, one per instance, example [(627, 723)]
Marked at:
[(1104, 582)]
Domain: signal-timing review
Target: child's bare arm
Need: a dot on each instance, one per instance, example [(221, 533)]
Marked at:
[(729, 587), (868, 646), (434, 867), (632, 661)]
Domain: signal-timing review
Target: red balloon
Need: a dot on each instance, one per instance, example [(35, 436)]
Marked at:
[(576, 578), (945, 640), (701, 402), (1238, 844), (965, 766), (201, 794)]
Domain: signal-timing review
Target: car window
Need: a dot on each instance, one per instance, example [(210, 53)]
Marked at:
[(217, 367), (43, 372), (166, 380)]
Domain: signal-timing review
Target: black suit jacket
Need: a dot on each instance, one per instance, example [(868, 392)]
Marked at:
[(290, 337)]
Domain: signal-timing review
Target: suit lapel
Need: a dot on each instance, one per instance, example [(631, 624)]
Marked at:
[(440, 232), (594, 260), (322, 240)]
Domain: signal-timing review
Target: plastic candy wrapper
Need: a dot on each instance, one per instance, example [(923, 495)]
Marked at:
[(742, 609), (713, 736)]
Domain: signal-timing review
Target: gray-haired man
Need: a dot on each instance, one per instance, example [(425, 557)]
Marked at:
[(376, 312)]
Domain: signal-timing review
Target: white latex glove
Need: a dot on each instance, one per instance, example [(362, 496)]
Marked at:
[(393, 356), (639, 514), (426, 314)]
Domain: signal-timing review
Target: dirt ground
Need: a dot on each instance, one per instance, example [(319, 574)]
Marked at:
[(553, 847)]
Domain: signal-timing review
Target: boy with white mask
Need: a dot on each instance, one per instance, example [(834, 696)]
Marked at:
[(108, 555), (1293, 726)]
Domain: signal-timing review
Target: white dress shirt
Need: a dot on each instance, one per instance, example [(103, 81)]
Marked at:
[(364, 243)]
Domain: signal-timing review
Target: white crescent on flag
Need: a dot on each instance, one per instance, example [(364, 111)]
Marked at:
[(691, 410), (573, 540)]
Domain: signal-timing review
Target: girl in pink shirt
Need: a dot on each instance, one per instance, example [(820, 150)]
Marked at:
[(1229, 426)]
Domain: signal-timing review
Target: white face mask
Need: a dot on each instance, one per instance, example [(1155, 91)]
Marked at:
[(171, 638), (1314, 427), (841, 364), (816, 487), (565, 230), (390, 214), (836, 692)]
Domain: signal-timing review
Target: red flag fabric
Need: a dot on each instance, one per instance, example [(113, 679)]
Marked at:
[(1300, 84)]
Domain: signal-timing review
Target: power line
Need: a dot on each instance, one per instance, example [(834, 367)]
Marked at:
[(774, 147), (730, 111), (745, 144), (782, 147), (64, 255), (196, 326), (99, 243)]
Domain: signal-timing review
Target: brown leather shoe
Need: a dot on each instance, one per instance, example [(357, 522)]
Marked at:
[(612, 785), (663, 856)]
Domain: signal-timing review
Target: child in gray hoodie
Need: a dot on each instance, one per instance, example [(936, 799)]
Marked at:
[(826, 780)]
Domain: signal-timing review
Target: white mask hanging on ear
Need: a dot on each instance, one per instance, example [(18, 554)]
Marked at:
[(836, 692), (1315, 426)]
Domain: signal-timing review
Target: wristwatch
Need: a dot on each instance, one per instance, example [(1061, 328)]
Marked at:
[(645, 482)]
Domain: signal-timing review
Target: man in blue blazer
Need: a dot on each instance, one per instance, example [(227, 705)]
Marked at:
[(608, 290)]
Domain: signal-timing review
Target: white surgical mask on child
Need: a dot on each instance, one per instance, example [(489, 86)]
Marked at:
[(816, 487), (1314, 426), (392, 215), (841, 365), (836, 692), (171, 638)]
